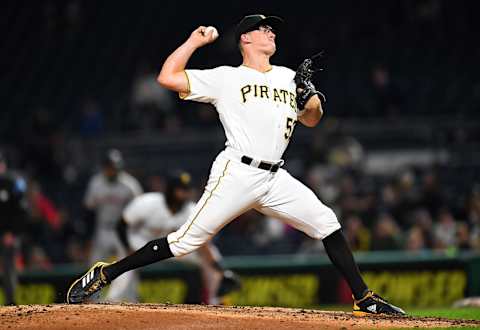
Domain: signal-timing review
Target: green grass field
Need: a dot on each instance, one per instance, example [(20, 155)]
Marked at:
[(469, 313), (466, 313)]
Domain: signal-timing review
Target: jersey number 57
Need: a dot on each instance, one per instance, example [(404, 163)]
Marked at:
[(290, 126)]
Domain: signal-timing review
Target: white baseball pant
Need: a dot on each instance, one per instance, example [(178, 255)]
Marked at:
[(234, 187)]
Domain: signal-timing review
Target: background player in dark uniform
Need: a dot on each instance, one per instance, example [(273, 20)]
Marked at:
[(13, 218)]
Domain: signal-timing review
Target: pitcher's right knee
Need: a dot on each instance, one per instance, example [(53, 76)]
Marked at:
[(187, 239)]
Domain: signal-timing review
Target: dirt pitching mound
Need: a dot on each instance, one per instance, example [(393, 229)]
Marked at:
[(160, 316)]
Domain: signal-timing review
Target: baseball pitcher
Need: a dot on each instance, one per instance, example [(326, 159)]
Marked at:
[(259, 105)]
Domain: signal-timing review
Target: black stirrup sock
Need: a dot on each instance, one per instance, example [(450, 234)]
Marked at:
[(153, 251), (341, 256)]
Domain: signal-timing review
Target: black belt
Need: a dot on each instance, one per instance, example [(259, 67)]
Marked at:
[(263, 165)]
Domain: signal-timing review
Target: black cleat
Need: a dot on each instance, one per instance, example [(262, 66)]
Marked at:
[(87, 285), (372, 304), (230, 282)]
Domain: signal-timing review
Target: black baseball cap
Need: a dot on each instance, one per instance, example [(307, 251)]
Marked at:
[(179, 179), (251, 22)]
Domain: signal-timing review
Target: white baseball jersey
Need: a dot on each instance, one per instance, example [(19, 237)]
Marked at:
[(258, 113), (257, 110), (148, 217), (109, 198)]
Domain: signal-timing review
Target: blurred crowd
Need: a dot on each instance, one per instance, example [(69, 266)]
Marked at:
[(411, 210), (392, 59), (91, 76)]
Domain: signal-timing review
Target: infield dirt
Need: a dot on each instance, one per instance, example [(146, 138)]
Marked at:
[(161, 316)]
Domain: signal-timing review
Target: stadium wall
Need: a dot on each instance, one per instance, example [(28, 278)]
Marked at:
[(419, 280)]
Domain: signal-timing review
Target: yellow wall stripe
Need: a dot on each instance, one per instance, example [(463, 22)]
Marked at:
[(204, 204)]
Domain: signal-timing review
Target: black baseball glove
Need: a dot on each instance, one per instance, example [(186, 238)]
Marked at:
[(305, 87)]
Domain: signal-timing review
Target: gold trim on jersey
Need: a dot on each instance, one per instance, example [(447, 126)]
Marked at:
[(267, 70), (204, 204), (185, 95)]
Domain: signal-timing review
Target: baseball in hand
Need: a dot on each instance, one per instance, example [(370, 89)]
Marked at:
[(213, 30)]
